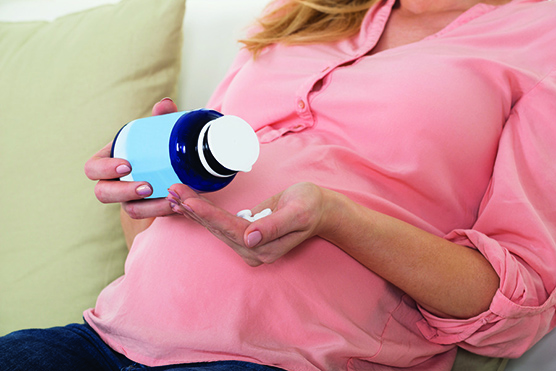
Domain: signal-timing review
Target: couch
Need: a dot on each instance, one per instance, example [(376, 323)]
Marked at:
[(71, 74)]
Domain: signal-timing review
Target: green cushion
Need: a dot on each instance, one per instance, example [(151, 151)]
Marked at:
[(467, 361), (66, 87)]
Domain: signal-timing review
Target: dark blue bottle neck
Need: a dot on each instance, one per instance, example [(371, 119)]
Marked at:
[(184, 152)]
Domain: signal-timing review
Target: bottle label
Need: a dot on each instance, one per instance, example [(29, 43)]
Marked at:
[(144, 143)]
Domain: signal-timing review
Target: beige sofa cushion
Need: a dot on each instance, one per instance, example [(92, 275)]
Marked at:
[(66, 87)]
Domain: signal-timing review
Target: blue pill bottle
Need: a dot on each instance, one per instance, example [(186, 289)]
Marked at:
[(201, 148)]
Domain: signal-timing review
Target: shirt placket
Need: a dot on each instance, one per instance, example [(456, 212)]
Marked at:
[(368, 37)]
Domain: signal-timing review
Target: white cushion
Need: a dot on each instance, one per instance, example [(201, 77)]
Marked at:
[(541, 357), (211, 31), (42, 10)]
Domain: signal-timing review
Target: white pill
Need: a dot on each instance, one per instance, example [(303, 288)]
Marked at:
[(248, 215), (245, 213), (262, 214)]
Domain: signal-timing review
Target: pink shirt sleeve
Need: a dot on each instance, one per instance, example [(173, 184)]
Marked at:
[(515, 231)]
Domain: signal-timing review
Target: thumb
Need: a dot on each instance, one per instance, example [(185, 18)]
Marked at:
[(274, 227), (165, 106)]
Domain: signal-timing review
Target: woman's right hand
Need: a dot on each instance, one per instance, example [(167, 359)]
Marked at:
[(106, 170)]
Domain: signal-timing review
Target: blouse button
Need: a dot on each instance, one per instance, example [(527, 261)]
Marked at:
[(301, 104)]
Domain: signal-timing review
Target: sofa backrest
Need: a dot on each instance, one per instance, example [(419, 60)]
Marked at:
[(211, 28)]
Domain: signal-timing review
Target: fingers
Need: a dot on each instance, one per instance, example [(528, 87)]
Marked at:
[(163, 107), (105, 169), (296, 215), (280, 226), (147, 208), (297, 212), (225, 226), (220, 222), (109, 191), (102, 167), (182, 192)]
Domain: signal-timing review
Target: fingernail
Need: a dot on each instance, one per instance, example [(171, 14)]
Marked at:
[(123, 169), (174, 194), (254, 238), (188, 208), (165, 99), (173, 202), (144, 190)]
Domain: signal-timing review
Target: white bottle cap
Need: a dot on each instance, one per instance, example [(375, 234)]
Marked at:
[(232, 142)]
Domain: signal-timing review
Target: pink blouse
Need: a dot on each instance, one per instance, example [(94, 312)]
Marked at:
[(455, 134)]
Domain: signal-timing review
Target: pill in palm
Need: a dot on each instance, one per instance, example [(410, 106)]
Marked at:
[(245, 214), (248, 215), (262, 214)]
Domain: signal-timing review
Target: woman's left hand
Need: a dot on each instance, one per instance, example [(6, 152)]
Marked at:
[(298, 213), (425, 266)]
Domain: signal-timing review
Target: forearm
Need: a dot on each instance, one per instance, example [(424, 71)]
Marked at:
[(447, 279)]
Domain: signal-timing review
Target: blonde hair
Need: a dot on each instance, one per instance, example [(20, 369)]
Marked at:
[(307, 22)]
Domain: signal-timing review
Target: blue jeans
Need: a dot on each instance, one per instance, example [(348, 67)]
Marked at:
[(77, 347)]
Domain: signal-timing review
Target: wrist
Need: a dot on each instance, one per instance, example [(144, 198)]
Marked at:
[(335, 212)]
